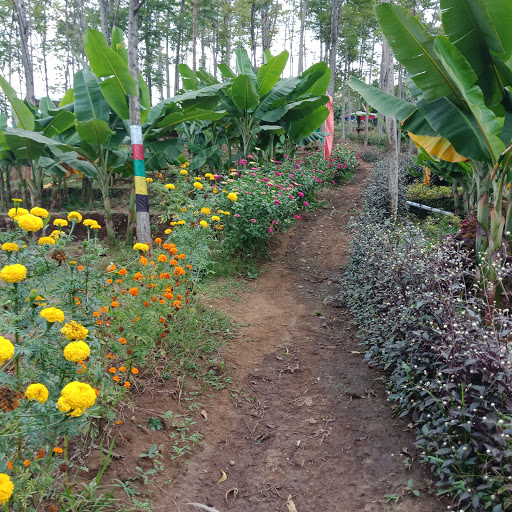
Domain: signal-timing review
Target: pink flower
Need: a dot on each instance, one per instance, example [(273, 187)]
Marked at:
[(236, 215), (277, 201), (216, 176), (250, 157), (253, 220), (306, 203), (275, 222), (298, 217), (285, 156), (243, 161), (301, 194), (270, 230), (290, 197)]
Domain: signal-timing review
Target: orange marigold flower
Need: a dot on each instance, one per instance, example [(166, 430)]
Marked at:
[(187, 292), (162, 258), (112, 370), (122, 341), (162, 301), (179, 271), (99, 322), (165, 275), (146, 303), (135, 371), (126, 384), (158, 241), (173, 250), (123, 272), (143, 261), (154, 298), (161, 320), (58, 449), (123, 292), (138, 276), (173, 262), (110, 356), (80, 267), (122, 369), (168, 295), (189, 267), (96, 314), (26, 463), (104, 309), (119, 281), (111, 267), (166, 246), (176, 304), (182, 256), (118, 422), (179, 297), (116, 379), (10, 465), (114, 304), (134, 291), (109, 281), (40, 454), (187, 301)]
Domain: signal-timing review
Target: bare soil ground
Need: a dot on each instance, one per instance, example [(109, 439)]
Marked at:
[(305, 425)]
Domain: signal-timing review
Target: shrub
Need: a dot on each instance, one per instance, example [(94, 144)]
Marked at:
[(371, 156), (434, 196), (445, 351)]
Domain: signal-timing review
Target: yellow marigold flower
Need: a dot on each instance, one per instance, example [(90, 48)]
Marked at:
[(141, 247), (10, 247), (76, 351), (29, 222), (95, 226), (13, 273), (219, 227), (203, 223), (232, 196), (74, 216), (16, 200), (52, 315), (227, 213), (37, 392), (39, 212), (173, 223), (60, 222), (215, 190), (170, 186), (205, 211), (215, 217), (181, 222), (14, 212), (6, 488), (46, 240), (74, 331), (76, 397), (208, 174), (198, 185), (89, 222), (183, 172), (6, 350), (168, 231)]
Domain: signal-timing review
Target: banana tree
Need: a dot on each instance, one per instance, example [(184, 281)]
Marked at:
[(460, 81), (36, 141)]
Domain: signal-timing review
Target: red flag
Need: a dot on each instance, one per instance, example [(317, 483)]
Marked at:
[(329, 127)]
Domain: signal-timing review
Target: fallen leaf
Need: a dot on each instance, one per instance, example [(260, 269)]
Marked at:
[(204, 414), (291, 506), (356, 352), (223, 477), (235, 493)]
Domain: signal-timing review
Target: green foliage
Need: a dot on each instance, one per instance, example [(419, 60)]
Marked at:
[(445, 356)]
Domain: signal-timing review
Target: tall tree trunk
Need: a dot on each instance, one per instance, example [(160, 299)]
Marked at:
[(26, 57), (178, 50), (388, 85), (400, 91), (303, 14), (335, 27), (215, 49), (227, 24), (167, 67), (141, 191), (45, 60), (103, 19), (367, 105), (194, 36), (343, 97), (253, 33), (203, 50)]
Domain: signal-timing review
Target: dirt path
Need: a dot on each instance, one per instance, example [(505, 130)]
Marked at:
[(306, 417)]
